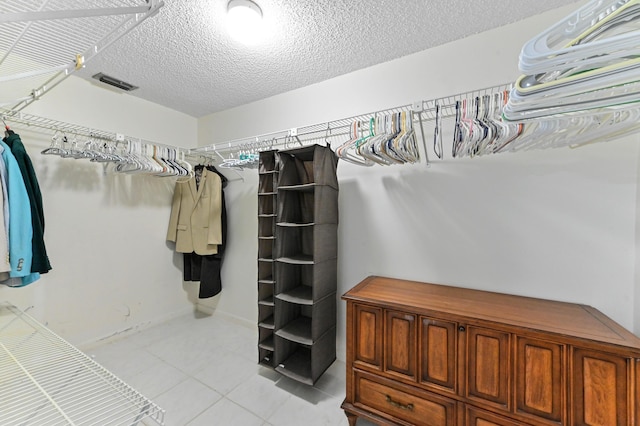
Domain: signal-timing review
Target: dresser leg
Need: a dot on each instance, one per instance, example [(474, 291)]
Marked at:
[(351, 418)]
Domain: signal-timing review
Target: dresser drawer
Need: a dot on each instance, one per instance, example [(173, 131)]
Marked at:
[(405, 403), (477, 417)]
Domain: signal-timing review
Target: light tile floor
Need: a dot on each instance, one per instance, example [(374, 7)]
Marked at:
[(203, 371)]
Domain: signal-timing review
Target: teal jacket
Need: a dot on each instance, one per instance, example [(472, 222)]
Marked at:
[(40, 260), (20, 231)]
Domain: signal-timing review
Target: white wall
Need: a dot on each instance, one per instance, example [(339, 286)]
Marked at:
[(557, 224), (105, 232)]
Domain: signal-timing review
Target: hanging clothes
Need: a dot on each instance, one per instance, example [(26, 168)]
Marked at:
[(207, 269), (195, 221), (20, 231), (198, 227), (5, 265), (40, 260)]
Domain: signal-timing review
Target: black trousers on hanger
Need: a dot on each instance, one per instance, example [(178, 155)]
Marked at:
[(205, 269)]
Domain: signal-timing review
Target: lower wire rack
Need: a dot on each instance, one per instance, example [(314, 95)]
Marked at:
[(46, 381)]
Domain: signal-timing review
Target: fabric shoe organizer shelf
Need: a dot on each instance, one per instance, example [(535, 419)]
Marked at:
[(300, 212), (268, 182)]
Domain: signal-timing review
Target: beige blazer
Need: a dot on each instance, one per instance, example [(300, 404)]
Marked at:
[(195, 224)]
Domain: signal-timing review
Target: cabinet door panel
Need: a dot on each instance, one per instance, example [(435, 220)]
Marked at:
[(400, 344), (599, 388), (489, 363), (437, 350), (368, 336), (540, 378)]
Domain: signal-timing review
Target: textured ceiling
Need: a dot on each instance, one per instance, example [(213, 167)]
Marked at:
[(183, 58)]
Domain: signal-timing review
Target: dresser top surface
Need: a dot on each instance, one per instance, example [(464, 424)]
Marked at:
[(569, 319)]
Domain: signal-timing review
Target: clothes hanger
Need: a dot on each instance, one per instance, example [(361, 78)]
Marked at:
[(569, 41), (458, 136), (508, 132), (578, 63), (344, 151), (179, 158), (366, 148), (388, 148), (437, 132), (56, 144), (470, 130), (378, 148), (611, 86), (7, 131), (400, 147), (354, 130), (408, 144), (130, 162)]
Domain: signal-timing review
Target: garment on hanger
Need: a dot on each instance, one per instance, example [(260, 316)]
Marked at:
[(194, 224), (199, 265), (40, 261), (207, 269), (20, 224), (4, 249), (5, 266)]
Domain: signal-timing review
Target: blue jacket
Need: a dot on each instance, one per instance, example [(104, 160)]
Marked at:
[(40, 260), (20, 226)]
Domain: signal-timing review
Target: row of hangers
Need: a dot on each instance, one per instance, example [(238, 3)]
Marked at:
[(247, 155), (480, 128), (389, 139), (130, 157), (385, 139)]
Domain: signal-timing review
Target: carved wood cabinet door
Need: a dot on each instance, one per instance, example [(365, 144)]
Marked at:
[(600, 389), (438, 353), (400, 344), (540, 379), (368, 337), (488, 366)]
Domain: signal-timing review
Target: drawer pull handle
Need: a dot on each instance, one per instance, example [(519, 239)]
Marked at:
[(398, 405)]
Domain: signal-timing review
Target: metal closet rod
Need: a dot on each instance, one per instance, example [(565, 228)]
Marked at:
[(423, 111), (10, 117)]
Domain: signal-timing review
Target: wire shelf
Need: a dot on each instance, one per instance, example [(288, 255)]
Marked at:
[(46, 381), (336, 131), (43, 42)]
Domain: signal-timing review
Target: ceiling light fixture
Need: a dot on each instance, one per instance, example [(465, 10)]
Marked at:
[(244, 21)]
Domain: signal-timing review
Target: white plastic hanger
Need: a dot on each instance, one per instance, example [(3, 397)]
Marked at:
[(569, 41), (589, 60)]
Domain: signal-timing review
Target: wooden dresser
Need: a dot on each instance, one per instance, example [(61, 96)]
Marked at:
[(426, 354)]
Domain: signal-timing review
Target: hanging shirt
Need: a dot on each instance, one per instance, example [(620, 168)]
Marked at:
[(40, 260)]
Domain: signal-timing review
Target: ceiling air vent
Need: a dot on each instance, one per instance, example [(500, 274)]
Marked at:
[(112, 81)]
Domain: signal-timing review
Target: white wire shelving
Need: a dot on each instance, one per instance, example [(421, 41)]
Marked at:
[(337, 131), (45, 381), (43, 42)]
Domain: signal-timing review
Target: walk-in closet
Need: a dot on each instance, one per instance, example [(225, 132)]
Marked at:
[(271, 213)]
